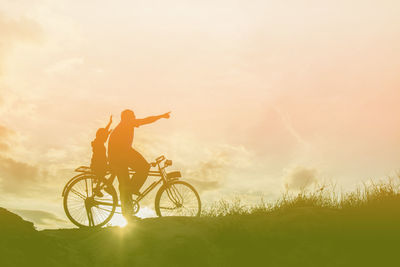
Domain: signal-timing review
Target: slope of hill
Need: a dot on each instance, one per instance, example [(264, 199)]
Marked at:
[(22, 245)]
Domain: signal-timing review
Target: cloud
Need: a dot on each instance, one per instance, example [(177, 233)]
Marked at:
[(40, 218), (13, 32), (5, 135), (64, 66), (211, 174), (204, 185), (16, 30), (300, 178), (22, 29), (208, 175), (15, 176)]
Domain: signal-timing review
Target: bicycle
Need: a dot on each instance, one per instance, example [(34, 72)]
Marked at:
[(90, 201)]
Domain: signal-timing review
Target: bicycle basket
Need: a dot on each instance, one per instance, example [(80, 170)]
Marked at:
[(83, 169), (174, 175)]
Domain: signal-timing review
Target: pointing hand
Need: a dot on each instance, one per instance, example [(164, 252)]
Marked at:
[(166, 115)]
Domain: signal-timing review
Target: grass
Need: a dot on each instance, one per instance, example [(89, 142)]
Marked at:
[(319, 227), (371, 195)]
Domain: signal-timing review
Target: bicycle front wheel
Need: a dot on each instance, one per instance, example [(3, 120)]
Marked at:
[(177, 198), (84, 207)]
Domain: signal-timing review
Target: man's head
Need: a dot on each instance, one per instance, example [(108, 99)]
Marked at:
[(127, 116)]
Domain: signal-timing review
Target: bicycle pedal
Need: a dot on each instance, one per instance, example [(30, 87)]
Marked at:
[(97, 192)]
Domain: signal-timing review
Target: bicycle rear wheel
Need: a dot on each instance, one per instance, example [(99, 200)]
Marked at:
[(177, 198), (84, 208)]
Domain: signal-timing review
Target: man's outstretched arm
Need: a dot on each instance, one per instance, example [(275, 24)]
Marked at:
[(152, 119)]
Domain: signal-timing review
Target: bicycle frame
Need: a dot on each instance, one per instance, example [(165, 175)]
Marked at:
[(160, 173), (100, 193)]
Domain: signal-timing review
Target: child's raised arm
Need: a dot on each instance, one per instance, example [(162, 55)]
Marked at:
[(109, 123)]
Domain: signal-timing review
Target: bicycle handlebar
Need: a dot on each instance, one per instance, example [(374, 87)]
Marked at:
[(158, 160)]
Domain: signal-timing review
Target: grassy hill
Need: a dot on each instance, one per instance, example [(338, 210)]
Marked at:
[(316, 229)]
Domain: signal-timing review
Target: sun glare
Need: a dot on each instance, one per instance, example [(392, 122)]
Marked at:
[(146, 212), (118, 220)]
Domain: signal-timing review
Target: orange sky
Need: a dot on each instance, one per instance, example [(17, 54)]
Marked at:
[(259, 91)]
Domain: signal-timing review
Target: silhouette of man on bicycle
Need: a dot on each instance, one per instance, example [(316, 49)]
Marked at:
[(122, 156), (92, 192)]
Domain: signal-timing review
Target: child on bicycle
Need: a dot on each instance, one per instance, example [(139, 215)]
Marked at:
[(99, 162)]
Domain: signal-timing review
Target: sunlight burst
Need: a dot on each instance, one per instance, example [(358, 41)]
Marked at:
[(118, 220)]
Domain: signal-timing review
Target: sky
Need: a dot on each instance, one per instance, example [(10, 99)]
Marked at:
[(266, 96)]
